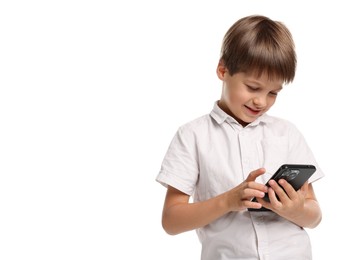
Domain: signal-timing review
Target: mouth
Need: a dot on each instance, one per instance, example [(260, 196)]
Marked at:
[(253, 111)]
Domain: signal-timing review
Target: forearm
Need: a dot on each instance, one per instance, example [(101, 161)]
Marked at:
[(179, 215), (310, 216), (183, 217)]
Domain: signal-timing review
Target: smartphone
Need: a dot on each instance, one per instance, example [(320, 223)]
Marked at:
[(294, 174)]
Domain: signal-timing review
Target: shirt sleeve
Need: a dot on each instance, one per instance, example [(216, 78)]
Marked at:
[(179, 167), (300, 153)]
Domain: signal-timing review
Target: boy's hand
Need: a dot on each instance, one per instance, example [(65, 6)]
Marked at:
[(290, 203), (239, 198)]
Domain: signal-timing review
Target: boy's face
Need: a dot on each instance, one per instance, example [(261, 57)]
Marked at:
[(245, 96)]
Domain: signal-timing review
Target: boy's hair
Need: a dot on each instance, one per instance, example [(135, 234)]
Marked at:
[(256, 44)]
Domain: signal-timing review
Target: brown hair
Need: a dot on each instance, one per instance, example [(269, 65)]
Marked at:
[(257, 44)]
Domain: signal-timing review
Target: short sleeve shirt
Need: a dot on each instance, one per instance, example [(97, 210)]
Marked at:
[(213, 154)]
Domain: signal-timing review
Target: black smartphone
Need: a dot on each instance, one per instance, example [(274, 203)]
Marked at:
[(295, 174)]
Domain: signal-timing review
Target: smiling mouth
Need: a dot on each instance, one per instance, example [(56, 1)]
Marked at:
[(253, 111)]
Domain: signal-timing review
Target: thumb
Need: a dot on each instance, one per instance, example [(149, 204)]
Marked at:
[(304, 189), (254, 174)]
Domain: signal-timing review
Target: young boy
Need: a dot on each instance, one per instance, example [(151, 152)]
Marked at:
[(225, 158)]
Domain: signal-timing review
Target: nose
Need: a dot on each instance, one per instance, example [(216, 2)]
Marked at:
[(260, 102)]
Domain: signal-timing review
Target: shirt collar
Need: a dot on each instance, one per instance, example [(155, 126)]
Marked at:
[(220, 117)]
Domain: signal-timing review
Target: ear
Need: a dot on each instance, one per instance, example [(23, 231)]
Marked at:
[(221, 70)]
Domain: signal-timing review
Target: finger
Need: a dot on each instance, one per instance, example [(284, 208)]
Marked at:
[(254, 174), (254, 193), (246, 185), (264, 203), (254, 205), (278, 190), (289, 190), (273, 196), (304, 189), (273, 201)]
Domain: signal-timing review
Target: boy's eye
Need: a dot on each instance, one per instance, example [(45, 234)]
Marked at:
[(252, 88), (273, 93)]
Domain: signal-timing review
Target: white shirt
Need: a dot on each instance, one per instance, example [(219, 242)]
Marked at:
[(213, 154)]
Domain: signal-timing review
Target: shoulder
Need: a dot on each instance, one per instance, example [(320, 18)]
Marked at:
[(279, 125), (197, 125), (197, 130), (274, 121)]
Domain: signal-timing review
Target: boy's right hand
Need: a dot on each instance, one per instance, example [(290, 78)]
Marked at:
[(239, 198)]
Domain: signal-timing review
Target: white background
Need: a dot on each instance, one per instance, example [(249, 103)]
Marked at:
[(91, 93)]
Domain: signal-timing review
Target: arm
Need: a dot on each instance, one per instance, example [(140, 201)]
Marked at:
[(299, 207), (179, 215)]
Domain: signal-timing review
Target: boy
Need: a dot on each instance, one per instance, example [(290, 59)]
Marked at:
[(224, 159)]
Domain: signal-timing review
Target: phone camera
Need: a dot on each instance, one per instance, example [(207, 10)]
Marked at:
[(290, 174)]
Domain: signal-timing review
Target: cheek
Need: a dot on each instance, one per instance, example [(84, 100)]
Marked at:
[(271, 101), (238, 96)]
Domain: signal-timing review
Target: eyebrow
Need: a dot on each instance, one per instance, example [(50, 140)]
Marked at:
[(261, 85)]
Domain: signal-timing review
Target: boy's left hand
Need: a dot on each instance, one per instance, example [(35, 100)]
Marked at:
[(290, 203)]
